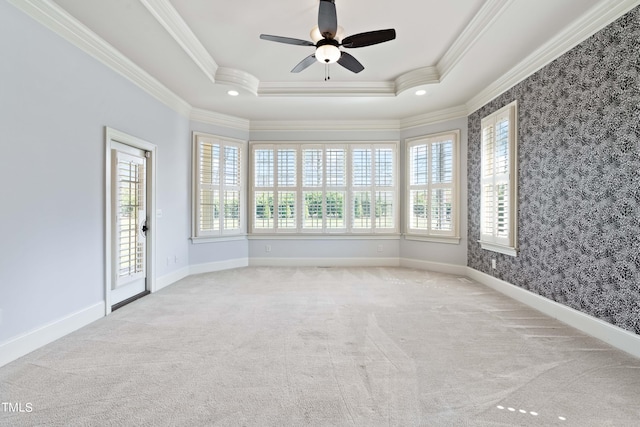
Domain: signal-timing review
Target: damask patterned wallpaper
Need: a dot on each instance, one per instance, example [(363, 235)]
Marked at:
[(579, 178)]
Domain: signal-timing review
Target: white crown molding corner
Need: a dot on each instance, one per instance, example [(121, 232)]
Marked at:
[(488, 13), (25, 344), (590, 23), (238, 78), (212, 118), (62, 23), (434, 117), (418, 77), (324, 125), (164, 12), (611, 334), (326, 89)]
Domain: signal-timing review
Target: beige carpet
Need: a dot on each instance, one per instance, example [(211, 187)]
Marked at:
[(324, 347)]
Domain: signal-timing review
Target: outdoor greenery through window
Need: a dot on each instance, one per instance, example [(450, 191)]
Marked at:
[(324, 188), (499, 184), (218, 195), (432, 190)]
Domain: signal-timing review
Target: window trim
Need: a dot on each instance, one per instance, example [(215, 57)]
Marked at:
[(299, 231), (509, 244), (197, 236), (428, 235)]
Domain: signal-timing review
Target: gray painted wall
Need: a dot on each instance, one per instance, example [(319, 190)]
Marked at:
[(54, 104), (579, 178)]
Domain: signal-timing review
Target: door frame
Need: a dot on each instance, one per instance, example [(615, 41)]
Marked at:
[(113, 135)]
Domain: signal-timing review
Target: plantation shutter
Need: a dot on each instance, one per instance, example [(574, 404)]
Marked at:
[(442, 188), (264, 188), (218, 187), (432, 186), (131, 217), (209, 188), (498, 179)]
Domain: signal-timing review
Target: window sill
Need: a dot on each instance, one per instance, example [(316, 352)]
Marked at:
[(218, 239), (299, 236), (506, 250), (433, 239)]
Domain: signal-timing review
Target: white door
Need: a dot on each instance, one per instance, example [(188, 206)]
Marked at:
[(129, 223)]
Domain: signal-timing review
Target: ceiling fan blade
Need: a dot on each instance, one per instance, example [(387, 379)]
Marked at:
[(286, 40), (350, 63), (369, 38), (327, 19), (305, 63)]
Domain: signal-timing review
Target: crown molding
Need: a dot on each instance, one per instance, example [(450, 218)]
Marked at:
[(415, 78), (488, 13), (439, 116), (62, 23), (59, 21), (324, 125), (376, 89), (164, 12), (212, 118), (590, 23), (239, 79)]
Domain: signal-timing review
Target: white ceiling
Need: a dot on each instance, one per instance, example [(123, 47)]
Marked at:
[(455, 49)]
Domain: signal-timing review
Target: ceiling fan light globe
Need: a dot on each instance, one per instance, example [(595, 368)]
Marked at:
[(328, 54), (315, 34)]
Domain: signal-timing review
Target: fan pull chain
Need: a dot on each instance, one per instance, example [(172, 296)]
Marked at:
[(326, 73)]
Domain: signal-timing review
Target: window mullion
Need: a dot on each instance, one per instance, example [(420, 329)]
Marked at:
[(429, 186)]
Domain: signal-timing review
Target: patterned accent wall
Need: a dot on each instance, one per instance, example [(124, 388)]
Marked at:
[(579, 179)]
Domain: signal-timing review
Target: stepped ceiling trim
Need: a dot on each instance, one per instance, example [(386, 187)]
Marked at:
[(434, 117), (173, 23), (478, 25), (59, 21), (325, 125), (212, 118)]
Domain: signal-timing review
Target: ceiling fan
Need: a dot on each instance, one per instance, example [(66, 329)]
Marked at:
[(327, 46)]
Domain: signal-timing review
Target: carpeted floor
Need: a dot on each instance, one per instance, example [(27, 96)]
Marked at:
[(324, 347)]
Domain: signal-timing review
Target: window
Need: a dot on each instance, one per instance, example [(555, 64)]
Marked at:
[(218, 186), (333, 188), (498, 228), (432, 187)]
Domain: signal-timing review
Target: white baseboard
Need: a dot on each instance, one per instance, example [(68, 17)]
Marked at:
[(324, 262), (437, 267), (611, 334), (218, 266), (25, 344), (171, 278)]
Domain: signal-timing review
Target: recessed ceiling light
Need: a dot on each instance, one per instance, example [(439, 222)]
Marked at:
[(421, 92), (233, 93)]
